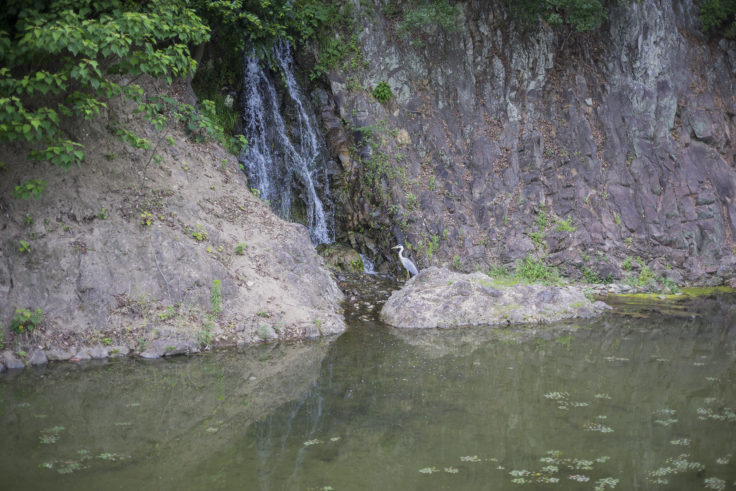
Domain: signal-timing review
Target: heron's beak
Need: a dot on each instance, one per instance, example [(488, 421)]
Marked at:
[(395, 247)]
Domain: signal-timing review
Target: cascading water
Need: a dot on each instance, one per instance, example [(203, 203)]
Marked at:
[(283, 159)]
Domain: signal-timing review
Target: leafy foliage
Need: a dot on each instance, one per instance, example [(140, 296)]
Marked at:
[(64, 58), (435, 13), (259, 24), (534, 270), (383, 92), (32, 187), (26, 320), (580, 15), (719, 15)]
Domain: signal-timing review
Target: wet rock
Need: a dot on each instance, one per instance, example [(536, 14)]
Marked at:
[(11, 361), (81, 355), (341, 258), (98, 352), (438, 297), (174, 347), (37, 357), (118, 351), (58, 354)]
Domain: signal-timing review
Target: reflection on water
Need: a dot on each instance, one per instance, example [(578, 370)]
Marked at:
[(633, 402)]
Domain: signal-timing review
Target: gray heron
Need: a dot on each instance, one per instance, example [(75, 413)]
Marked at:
[(406, 262)]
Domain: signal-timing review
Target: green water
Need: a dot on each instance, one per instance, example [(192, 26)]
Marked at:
[(630, 398)]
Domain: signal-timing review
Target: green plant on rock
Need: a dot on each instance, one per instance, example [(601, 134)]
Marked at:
[(383, 92), (32, 187), (24, 246), (199, 234), (216, 297), (146, 218), (432, 246), (263, 331), (577, 15), (565, 225), (26, 320), (205, 336), (426, 14), (534, 270)]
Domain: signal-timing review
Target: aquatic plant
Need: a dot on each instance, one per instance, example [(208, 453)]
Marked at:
[(606, 482), (428, 470), (451, 470), (112, 457), (579, 478), (470, 458), (597, 427), (674, 465), (309, 443), (665, 422), (50, 436), (726, 414), (681, 441), (715, 483)]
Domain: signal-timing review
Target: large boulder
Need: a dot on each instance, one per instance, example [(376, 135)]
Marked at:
[(438, 297)]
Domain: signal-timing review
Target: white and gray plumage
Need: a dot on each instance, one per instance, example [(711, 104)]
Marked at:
[(406, 262)]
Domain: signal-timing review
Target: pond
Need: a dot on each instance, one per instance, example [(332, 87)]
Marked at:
[(636, 400)]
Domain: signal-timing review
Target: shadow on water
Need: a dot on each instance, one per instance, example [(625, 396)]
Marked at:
[(640, 401)]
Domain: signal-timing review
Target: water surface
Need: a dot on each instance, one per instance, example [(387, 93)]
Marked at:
[(643, 401)]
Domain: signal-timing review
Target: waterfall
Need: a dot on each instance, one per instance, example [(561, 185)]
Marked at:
[(285, 160), (368, 266)]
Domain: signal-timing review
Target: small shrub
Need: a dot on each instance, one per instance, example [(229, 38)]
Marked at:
[(205, 335), (146, 218), (25, 320), (199, 234), (383, 92), (437, 13), (32, 187), (565, 226), (263, 331), (216, 296), (542, 219), (102, 215), (240, 248), (534, 270), (24, 246)]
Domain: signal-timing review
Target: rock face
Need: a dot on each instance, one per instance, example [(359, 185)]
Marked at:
[(627, 133), (156, 253), (437, 297)]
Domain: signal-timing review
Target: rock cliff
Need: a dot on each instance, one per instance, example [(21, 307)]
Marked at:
[(501, 141)]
